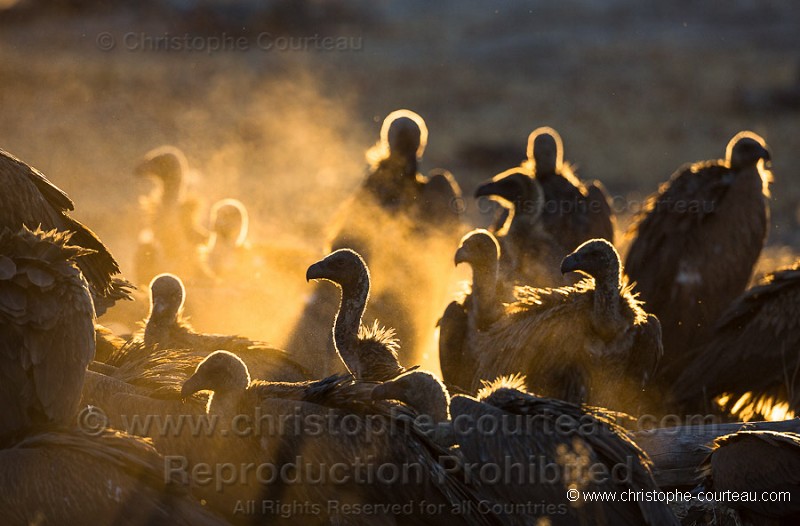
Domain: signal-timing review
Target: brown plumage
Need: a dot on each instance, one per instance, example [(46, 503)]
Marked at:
[(575, 211), (570, 341), (368, 353), (756, 462), (68, 477), (395, 206), (476, 311), (530, 254), (335, 401), (226, 256), (172, 235), (697, 241), (753, 349), (106, 343), (537, 435), (46, 330), (30, 199), (166, 328)]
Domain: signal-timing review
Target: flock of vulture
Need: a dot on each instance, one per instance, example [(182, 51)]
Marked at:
[(544, 358)]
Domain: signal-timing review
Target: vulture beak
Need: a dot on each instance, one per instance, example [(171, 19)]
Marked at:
[(462, 255), (496, 188), (191, 386), (159, 306), (571, 263), (316, 271)]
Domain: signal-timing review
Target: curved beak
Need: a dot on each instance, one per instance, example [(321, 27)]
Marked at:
[(501, 188), (316, 271), (462, 255), (571, 263), (191, 386)]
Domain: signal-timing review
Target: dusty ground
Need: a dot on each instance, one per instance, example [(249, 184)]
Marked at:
[(635, 89)]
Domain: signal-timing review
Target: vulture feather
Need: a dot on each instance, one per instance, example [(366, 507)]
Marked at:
[(166, 328), (172, 232), (574, 211), (336, 400), (529, 435), (574, 342), (707, 212), (46, 329), (68, 477), (369, 353), (395, 206), (756, 462), (30, 199), (530, 254), (753, 349)]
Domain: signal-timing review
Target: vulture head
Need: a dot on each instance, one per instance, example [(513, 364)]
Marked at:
[(419, 390), (166, 298), (405, 134), (343, 267), (545, 150), (518, 189), (229, 220), (745, 150), (168, 164), (479, 249), (596, 258), (221, 372)]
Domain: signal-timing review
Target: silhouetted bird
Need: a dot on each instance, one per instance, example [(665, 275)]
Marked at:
[(347, 413), (368, 353), (753, 349), (570, 341), (760, 463), (172, 236), (697, 240), (30, 199), (46, 330), (166, 328), (538, 449), (530, 254)]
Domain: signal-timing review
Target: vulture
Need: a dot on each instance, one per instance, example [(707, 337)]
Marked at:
[(46, 330), (29, 199), (574, 211), (106, 343), (571, 342), (395, 206), (507, 426), (107, 478), (226, 254), (530, 254), (754, 462), (172, 232), (707, 212), (165, 328), (347, 413), (753, 349), (368, 353)]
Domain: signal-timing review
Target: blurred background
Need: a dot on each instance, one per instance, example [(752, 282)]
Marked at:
[(275, 102)]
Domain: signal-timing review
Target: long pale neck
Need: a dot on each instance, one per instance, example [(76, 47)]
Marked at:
[(484, 294), (348, 321), (607, 299)]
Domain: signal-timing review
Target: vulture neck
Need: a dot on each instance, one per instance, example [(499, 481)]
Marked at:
[(348, 320), (225, 403), (158, 329), (171, 189), (606, 316), (484, 294)]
